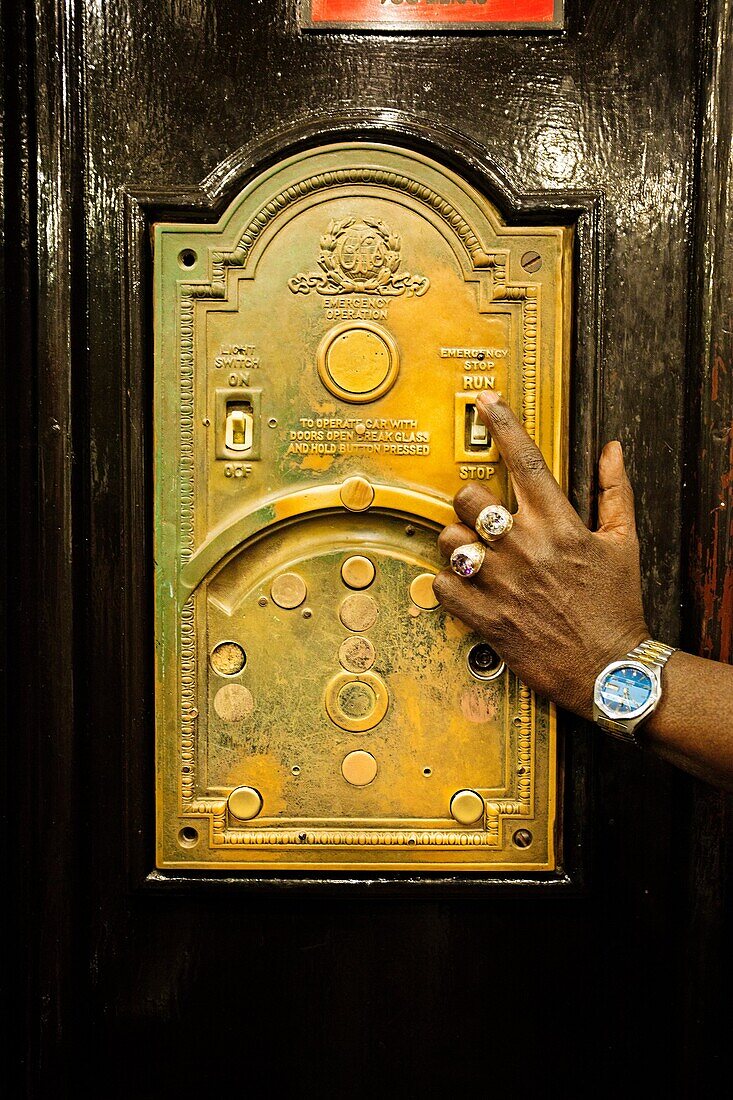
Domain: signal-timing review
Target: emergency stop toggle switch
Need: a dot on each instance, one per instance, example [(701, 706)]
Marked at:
[(473, 442), (478, 433)]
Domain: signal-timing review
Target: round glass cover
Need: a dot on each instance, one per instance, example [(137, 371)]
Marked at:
[(626, 690)]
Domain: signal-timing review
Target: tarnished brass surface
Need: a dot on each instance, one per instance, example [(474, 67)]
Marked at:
[(317, 353)]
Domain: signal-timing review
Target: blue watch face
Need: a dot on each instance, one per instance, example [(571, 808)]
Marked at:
[(626, 690)]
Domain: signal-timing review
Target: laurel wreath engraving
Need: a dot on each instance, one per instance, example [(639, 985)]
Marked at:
[(380, 275)]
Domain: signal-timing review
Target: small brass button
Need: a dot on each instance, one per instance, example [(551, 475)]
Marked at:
[(288, 591), (228, 658), (233, 703), (356, 494), (467, 807), (357, 572), (358, 612), (422, 592), (356, 654), (245, 803), (359, 768)]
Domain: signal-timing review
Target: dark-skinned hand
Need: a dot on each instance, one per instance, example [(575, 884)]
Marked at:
[(558, 602)]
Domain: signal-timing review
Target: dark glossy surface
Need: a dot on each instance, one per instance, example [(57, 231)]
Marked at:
[(160, 992), (708, 607)]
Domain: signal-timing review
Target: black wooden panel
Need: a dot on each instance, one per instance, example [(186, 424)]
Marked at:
[(708, 607)]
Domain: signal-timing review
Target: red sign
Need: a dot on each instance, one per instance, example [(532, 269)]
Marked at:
[(434, 14)]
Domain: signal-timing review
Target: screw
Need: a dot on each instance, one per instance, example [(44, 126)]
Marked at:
[(409, 530), (307, 613), (262, 601), (522, 838), (531, 261)]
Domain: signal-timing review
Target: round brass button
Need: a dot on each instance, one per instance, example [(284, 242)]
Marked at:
[(356, 702), (288, 591), (357, 572), (228, 658), (356, 494), (358, 362), (467, 807), (422, 593), (356, 654), (359, 768), (244, 803), (233, 703), (358, 612)]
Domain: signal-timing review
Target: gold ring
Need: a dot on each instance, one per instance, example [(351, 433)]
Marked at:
[(493, 523), (465, 561)]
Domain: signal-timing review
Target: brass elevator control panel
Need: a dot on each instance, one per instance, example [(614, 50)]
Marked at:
[(318, 353)]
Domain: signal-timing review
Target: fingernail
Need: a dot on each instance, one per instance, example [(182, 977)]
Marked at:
[(488, 397)]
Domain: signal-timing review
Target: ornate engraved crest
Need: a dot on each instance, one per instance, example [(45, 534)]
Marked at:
[(359, 255)]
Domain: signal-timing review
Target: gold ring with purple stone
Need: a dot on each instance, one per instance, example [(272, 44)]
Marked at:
[(493, 523), (465, 561)]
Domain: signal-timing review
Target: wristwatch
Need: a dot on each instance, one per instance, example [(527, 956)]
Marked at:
[(628, 691)]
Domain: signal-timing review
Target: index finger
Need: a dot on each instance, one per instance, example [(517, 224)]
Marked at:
[(533, 481)]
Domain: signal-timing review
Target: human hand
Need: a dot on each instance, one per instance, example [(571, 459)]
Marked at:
[(555, 600)]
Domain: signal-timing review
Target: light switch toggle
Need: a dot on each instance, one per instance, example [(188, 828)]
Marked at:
[(477, 433), (239, 432)]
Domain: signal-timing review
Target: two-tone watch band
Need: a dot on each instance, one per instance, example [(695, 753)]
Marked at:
[(653, 654)]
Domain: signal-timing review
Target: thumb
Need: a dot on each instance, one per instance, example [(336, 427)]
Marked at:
[(615, 496)]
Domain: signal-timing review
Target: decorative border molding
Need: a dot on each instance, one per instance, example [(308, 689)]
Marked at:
[(523, 806), (189, 711), (324, 181)]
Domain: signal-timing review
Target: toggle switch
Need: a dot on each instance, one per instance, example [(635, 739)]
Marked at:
[(237, 415), (239, 431), (477, 432), (473, 442)]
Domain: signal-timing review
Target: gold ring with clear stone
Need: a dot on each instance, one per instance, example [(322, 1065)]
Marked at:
[(465, 561), (493, 522)]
